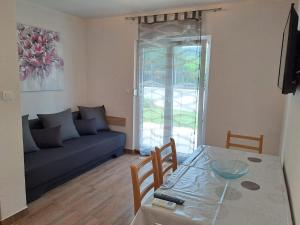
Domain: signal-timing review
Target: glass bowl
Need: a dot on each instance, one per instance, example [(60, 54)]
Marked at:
[(229, 169)]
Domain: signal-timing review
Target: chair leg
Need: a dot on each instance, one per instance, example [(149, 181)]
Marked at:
[(228, 139)]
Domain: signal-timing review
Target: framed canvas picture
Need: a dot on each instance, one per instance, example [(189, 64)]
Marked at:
[(41, 64)]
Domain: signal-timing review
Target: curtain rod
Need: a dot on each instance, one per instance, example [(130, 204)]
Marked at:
[(200, 10)]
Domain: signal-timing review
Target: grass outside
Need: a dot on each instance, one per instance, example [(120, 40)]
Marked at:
[(181, 118)]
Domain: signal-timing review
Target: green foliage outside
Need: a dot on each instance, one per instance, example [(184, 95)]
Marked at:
[(186, 65), (181, 118), (186, 74)]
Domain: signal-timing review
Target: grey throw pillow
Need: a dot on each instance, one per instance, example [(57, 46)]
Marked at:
[(48, 137), (95, 112), (86, 127), (28, 143), (63, 119)]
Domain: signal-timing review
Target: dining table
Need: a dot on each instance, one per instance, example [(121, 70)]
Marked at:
[(258, 198)]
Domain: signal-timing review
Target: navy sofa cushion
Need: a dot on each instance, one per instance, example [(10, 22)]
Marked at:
[(37, 124), (29, 144), (86, 127), (97, 113), (63, 119), (48, 164), (47, 137)]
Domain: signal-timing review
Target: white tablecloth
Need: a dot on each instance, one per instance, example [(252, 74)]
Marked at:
[(211, 200)]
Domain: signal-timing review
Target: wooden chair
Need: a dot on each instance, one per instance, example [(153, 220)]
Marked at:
[(137, 181), (259, 139), (161, 159)]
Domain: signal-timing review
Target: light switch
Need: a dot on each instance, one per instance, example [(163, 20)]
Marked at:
[(7, 95)]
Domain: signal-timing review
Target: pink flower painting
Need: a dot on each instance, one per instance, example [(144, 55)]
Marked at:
[(41, 64)]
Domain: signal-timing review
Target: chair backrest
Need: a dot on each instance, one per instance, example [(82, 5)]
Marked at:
[(162, 159), (259, 139), (137, 181)]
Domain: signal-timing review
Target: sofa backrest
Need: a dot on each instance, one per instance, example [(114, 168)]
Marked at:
[(37, 124)]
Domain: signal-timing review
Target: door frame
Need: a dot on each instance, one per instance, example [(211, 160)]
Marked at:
[(201, 134)]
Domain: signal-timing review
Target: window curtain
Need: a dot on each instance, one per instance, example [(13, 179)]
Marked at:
[(169, 81)]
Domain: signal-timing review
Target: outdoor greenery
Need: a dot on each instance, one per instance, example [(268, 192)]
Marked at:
[(185, 62), (181, 118), (184, 74)]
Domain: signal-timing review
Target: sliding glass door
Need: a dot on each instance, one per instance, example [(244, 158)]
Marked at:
[(172, 80)]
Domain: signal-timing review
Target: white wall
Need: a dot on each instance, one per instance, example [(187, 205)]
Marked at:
[(73, 33), (73, 37), (291, 149), (111, 68), (12, 184), (243, 94)]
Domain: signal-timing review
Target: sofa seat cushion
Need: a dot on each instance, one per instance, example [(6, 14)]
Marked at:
[(47, 164)]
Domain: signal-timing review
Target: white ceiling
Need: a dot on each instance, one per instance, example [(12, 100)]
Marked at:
[(105, 8)]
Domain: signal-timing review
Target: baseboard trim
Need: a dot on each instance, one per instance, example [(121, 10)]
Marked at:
[(14, 218), (131, 151)]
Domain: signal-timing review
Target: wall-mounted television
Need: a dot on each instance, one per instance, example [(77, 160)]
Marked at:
[(290, 54)]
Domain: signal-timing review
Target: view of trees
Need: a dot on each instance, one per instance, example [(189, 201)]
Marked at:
[(181, 61)]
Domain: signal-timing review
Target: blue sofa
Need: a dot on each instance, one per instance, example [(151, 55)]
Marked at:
[(49, 168)]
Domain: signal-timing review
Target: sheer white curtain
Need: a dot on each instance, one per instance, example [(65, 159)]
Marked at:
[(170, 81)]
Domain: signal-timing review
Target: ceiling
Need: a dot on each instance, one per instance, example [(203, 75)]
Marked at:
[(106, 8)]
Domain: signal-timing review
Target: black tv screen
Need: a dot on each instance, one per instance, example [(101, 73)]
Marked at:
[(287, 79)]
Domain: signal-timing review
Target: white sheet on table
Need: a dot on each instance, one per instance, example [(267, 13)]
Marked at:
[(201, 189)]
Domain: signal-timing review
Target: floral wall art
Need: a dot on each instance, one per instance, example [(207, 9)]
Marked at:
[(41, 63)]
